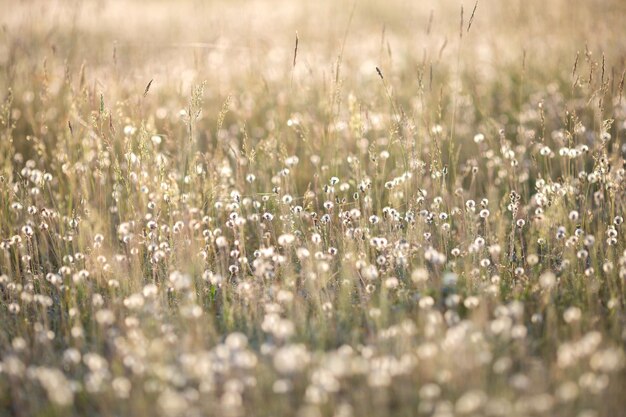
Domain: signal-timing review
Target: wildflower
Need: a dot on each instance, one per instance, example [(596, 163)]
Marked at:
[(221, 242), (547, 280)]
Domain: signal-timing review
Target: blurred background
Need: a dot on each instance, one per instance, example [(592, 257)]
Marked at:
[(231, 39), (490, 60)]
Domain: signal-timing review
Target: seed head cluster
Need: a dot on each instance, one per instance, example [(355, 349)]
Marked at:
[(253, 234)]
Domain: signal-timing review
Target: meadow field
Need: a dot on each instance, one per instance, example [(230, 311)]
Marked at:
[(322, 208)]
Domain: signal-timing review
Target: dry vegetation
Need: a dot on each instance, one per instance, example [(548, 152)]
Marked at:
[(416, 210)]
